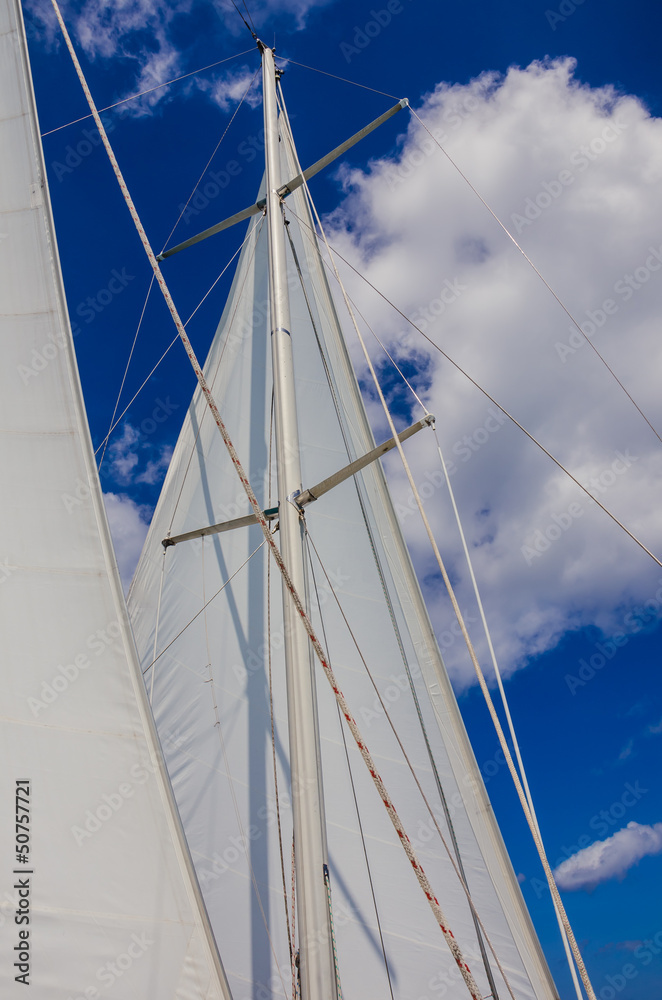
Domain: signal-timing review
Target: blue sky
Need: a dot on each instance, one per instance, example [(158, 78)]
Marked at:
[(577, 621)]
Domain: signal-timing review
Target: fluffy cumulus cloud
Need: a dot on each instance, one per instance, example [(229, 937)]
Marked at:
[(132, 458), (610, 858), (228, 89), (137, 31), (128, 526), (574, 174)]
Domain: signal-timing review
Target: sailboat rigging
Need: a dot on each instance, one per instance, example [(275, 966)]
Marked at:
[(230, 841)]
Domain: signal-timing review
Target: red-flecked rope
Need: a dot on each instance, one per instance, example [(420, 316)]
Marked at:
[(262, 521)]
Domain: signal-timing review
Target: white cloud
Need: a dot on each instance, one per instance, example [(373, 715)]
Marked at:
[(123, 455), (227, 89), (126, 452), (141, 31), (156, 467), (129, 522), (418, 232), (610, 858)]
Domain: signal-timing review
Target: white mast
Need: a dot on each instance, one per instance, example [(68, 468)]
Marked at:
[(316, 952)]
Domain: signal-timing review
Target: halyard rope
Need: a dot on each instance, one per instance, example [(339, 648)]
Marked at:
[(262, 521), (463, 628)]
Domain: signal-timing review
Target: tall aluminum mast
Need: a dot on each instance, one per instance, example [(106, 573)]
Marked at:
[(317, 969)]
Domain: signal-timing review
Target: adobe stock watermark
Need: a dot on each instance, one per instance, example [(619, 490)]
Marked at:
[(82, 491), (551, 191), (110, 803), (87, 310), (601, 823), (633, 623), (644, 954), (596, 319), (450, 291), (66, 674), (110, 972), (464, 449), (256, 659), (216, 182), (425, 144), (365, 35), (542, 539), (565, 10), (75, 155)]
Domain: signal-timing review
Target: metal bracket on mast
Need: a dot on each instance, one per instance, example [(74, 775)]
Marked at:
[(315, 492), (291, 185), (300, 499), (214, 529)]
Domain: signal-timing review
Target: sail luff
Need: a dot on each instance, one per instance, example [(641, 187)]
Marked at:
[(113, 876)]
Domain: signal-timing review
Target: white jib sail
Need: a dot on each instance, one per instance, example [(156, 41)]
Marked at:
[(99, 898), (210, 689)]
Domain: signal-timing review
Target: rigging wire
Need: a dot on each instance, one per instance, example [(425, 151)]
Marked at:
[(150, 91), (504, 700), (137, 393), (251, 29), (126, 372), (256, 225), (113, 424), (341, 78), (204, 606), (474, 659), (391, 611), (457, 866), (379, 567), (484, 391), (356, 804), (248, 13), (392, 813), (170, 345), (351, 775), (216, 148), (544, 281)]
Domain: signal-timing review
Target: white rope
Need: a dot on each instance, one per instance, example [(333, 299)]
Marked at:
[(504, 700), (463, 628), (262, 521)]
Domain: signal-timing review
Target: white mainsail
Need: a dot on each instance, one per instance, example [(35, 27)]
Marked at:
[(99, 895), (207, 656)]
